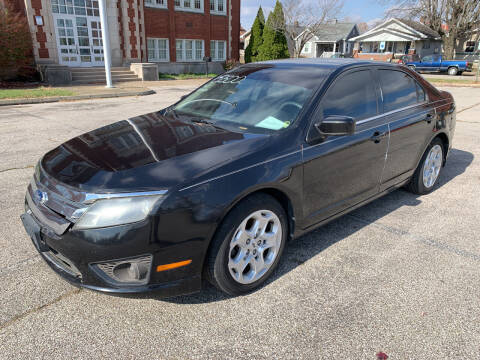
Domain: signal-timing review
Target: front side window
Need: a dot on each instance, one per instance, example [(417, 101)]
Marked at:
[(189, 50), (157, 50), (427, 59), (398, 88), (262, 99), (217, 50), (156, 3), (351, 95)]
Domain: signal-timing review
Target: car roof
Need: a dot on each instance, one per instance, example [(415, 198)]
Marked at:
[(331, 64)]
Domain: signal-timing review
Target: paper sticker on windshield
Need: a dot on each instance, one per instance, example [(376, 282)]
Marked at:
[(229, 79), (272, 123)]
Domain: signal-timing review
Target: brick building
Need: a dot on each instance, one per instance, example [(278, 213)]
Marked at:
[(176, 34)]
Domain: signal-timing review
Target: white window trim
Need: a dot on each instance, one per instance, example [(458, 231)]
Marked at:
[(157, 6), (304, 50), (191, 8), (216, 12), (156, 51), (216, 58), (194, 50)]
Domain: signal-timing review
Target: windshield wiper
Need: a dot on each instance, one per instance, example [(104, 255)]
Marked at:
[(202, 121), (232, 104)]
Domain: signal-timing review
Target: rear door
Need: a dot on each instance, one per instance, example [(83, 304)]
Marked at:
[(411, 120), (341, 171)]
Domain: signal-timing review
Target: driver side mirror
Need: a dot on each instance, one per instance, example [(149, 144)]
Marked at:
[(336, 125)]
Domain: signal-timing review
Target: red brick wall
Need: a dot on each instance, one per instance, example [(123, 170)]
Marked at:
[(235, 30), (168, 23)]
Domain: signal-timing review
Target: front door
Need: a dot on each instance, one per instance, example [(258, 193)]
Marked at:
[(341, 171), (67, 40), (78, 31)]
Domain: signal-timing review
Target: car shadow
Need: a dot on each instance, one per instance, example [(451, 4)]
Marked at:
[(309, 245)]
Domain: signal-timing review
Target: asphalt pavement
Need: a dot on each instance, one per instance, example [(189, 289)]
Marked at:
[(399, 276)]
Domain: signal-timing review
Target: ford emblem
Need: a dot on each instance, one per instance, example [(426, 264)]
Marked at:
[(41, 196)]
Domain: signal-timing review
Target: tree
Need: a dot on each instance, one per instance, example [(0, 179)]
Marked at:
[(274, 41), (452, 19), (256, 37), (304, 18), (15, 42)]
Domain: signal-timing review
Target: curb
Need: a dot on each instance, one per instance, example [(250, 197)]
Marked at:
[(73, 98)]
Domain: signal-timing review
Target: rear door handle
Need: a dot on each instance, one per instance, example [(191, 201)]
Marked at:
[(378, 136)]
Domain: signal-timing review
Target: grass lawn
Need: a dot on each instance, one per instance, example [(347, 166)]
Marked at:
[(185, 76), (33, 93), (452, 81)]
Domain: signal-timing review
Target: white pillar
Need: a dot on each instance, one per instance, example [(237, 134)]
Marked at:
[(107, 56), (344, 46), (334, 48)]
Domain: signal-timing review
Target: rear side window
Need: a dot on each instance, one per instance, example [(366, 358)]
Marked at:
[(399, 90), (352, 95)]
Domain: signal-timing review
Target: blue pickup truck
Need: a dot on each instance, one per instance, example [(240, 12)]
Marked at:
[(435, 63)]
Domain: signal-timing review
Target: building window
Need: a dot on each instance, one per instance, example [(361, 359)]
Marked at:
[(156, 3), (158, 50), (189, 50), (306, 48), (76, 7), (217, 50), (189, 5), (426, 45), (218, 7)]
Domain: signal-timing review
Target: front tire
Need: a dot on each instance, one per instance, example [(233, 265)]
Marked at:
[(426, 175), (248, 245)]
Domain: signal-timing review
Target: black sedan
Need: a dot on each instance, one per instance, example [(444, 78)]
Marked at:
[(215, 185)]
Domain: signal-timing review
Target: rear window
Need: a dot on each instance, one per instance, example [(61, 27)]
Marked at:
[(399, 90)]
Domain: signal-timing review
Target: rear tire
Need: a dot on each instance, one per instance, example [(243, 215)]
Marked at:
[(248, 245), (452, 71), (428, 171)]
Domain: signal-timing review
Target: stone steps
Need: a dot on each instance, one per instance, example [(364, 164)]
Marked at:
[(96, 75)]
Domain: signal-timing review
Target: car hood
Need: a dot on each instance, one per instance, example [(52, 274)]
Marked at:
[(147, 152)]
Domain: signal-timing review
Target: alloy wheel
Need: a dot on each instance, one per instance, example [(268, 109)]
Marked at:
[(432, 166), (254, 246)]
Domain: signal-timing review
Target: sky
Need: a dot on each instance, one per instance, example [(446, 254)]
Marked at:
[(356, 10)]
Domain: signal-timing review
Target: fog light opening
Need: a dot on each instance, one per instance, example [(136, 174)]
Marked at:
[(132, 271)]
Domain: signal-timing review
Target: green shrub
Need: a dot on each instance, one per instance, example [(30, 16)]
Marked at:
[(274, 41), (256, 37)]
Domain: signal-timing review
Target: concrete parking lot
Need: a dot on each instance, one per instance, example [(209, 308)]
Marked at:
[(399, 276)]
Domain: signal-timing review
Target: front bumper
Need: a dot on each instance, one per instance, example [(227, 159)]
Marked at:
[(72, 255)]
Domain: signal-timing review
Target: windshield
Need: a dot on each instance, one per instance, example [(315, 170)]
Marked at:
[(261, 98)]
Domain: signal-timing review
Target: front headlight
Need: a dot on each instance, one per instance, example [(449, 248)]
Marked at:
[(119, 211)]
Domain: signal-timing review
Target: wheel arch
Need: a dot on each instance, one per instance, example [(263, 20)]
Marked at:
[(446, 144), (279, 195)]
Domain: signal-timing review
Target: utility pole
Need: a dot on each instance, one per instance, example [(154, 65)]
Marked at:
[(478, 61), (106, 42)]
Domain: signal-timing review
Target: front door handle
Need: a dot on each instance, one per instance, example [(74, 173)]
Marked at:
[(378, 136)]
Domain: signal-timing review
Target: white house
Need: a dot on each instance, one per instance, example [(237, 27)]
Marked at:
[(329, 40), (397, 37)]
